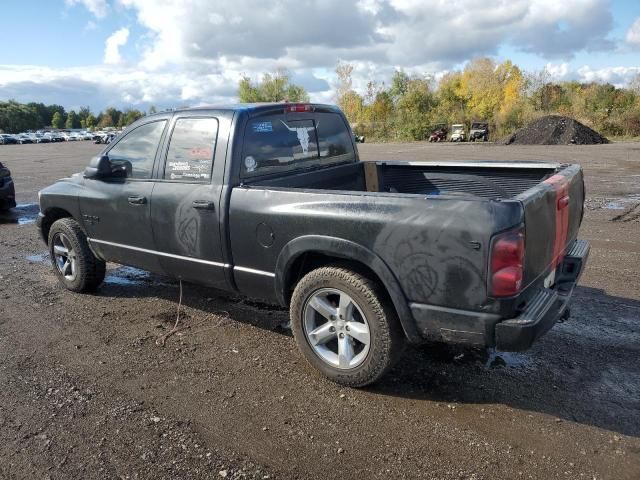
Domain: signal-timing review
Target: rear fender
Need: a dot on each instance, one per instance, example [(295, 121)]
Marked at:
[(345, 249)]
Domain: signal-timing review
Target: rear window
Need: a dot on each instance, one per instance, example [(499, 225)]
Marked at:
[(275, 143)]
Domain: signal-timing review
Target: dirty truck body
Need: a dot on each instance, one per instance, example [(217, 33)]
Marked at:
[(272, 201)]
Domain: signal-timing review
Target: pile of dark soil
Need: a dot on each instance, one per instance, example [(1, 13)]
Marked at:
[(555, 130)]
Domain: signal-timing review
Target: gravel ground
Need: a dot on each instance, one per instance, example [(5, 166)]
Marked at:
[(87, 392)]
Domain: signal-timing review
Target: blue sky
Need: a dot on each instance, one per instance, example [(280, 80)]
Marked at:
[(185, 52)]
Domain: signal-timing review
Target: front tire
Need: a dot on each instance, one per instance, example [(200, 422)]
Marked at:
[(345, 326), (75, 265)]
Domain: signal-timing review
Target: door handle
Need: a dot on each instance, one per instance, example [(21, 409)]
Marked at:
[(137, 200), (204, 205)]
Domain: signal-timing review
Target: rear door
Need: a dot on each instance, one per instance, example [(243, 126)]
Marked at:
[(185, 206), (116, 212), (553, 213)]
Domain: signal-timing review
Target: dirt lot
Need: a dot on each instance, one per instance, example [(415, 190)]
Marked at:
[(87, 393)]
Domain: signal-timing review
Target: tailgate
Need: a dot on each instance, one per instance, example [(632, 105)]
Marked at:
[(553, 213)]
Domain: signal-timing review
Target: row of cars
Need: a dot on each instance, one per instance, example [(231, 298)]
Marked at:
[(53, 137), (477, 131)]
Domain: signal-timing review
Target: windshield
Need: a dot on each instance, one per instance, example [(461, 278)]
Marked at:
[(277, 143)]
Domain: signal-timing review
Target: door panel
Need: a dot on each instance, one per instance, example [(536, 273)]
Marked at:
[(116, 212), (185, 204), (186, 230), (118, 221)]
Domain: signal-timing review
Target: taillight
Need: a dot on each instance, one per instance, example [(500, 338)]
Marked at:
[(298, 108), (506, 264)]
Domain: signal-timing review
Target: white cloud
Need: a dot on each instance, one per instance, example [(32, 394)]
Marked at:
[(195, 51), (98, 8), (112, 46), (633, 34), (557, 71), (618, 76)]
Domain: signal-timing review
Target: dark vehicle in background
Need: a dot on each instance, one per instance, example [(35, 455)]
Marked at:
[(479, 131), (6, 139), (24, 138), (7, 189), (271, 201), (41, 138), (104, 138), (439, 133)]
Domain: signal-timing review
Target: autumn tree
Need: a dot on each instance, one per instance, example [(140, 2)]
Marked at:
[(351, 103), (273, 87)]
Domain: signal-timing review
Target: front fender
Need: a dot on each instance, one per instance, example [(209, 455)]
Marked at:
[(337, 247)]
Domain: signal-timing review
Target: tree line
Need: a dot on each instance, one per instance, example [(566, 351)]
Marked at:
[(19, 117), (408, 107)]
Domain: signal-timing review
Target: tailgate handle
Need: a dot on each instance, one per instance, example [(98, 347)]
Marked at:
[(563, 202)]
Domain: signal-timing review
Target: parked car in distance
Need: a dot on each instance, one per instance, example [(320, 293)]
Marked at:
[(479, 131), (438, 133), (271, 201), (55, 137), (7, 139), (41, 138), (104, 137), (7, 189), (24, 138), (457, 133)]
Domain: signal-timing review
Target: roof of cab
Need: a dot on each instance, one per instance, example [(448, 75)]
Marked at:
[(249, 107)]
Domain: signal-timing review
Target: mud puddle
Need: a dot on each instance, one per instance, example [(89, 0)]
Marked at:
[(507, 359), (38, 258), (23, 214), (131, 276)]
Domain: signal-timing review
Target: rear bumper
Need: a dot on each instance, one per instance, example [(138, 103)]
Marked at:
[(542, 311), (546, 307), (7, 193)]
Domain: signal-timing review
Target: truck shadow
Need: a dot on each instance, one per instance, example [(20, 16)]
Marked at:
[(586, 370), (131, 282)]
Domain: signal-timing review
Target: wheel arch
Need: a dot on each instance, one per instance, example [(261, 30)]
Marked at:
[(49, 217), (307, 253)]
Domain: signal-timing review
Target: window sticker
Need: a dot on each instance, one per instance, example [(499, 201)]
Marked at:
[(262, 127), (250, 163), (303, 136), (201, 153)]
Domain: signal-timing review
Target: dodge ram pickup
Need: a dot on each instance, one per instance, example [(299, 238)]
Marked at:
[(271, 201)]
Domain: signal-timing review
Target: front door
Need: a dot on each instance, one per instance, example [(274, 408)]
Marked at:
[(185, 213), (116, 212)]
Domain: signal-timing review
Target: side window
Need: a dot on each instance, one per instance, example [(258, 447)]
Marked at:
[(137, 150), (335, 140), (191, 149)]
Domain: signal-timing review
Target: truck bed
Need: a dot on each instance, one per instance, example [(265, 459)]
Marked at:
[(489, 180)]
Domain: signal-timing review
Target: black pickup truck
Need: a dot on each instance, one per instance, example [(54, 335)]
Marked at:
[(272, 201)]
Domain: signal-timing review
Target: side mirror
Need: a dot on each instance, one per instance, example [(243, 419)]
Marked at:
[(102, 167), (358, 138), (99, 167)]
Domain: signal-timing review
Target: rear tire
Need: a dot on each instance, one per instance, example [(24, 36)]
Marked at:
[(354, 343), (75, 265)]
